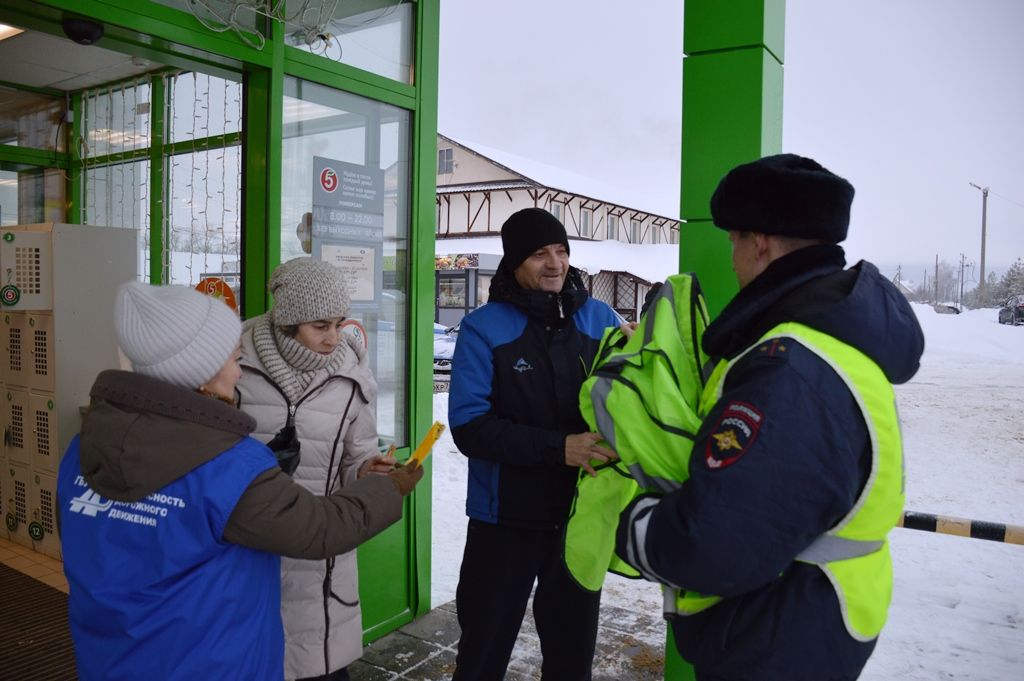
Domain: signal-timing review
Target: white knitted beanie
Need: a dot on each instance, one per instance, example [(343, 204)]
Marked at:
[(175, 333), (307, 290)]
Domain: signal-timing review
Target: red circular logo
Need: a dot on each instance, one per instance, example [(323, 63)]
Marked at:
[(353, 327), (328, 180), (215, 287)]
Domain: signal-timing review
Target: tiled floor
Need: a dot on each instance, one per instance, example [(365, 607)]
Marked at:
[(25, 560), (424, 650)]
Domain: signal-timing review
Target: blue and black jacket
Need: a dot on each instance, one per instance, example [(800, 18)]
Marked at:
[(735, 529), (514, 397)]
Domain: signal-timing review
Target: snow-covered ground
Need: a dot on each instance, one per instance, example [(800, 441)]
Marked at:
[(958, 608)]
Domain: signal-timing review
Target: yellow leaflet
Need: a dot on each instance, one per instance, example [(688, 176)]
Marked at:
[(423, 449)]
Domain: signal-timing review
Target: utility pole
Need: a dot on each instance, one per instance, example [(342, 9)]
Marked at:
[(936, 299), (960, 302), (984, 211)]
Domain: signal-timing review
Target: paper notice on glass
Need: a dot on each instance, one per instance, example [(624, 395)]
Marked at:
[(359, 265)]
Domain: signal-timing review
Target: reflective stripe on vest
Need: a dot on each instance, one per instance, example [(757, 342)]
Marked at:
[(854, 554)]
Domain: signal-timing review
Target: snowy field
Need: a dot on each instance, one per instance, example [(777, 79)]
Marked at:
[(959, 603)]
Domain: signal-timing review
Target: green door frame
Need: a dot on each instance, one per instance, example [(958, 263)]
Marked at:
[(173, 37)]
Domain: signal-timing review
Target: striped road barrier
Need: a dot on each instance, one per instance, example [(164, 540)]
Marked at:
[(962, 527)]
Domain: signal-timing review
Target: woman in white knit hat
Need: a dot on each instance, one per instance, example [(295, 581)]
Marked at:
[(310, 389), (172, 518)]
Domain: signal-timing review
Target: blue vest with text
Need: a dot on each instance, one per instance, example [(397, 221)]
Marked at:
[(156, 592)]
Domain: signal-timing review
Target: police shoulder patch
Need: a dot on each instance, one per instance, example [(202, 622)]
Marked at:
[(733, 435)]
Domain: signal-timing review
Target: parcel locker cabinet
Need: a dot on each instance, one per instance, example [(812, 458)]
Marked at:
[(26, 267), (16, 500), (40, 339), (6, 490), (17, 364), (18, 441), (57, 288), (42, 516), (44, 445)]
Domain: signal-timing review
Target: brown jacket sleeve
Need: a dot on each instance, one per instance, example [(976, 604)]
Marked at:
[(276, 515)]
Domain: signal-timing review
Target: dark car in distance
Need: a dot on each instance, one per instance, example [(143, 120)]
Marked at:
[(1013, 311)]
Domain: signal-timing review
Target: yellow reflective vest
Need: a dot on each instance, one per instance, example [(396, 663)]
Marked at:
[(642, 395), (854, 554), (648, 397)]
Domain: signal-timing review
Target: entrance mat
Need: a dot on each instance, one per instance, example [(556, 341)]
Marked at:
[(35, 641)]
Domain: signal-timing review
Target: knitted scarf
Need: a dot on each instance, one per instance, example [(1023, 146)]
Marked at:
[(289, 363)]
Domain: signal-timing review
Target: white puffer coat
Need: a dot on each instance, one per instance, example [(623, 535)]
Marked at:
[(333, 421)]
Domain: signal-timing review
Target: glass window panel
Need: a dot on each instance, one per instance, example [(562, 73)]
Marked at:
[(8, 198), (483, 288), (202, 106), (452, 293), (29, 119), (117, 195), (29, 195), (556, 210), (371, 140), (115, 119), (445, 161), (220, 13), (373, 35), (586, 215), (204, 216)]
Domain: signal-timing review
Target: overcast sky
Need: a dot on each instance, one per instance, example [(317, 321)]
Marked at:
[(908, 99)]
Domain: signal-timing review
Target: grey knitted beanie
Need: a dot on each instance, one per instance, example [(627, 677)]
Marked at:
[(306, 290), (174, 333)]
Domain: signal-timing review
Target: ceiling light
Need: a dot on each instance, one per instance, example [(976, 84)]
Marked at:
[(8, 31)]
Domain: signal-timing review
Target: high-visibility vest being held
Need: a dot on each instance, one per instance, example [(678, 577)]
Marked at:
[(642, 396), (854, 554)]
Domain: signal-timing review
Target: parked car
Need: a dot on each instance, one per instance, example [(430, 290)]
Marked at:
[(1013, 311), (444, 347)]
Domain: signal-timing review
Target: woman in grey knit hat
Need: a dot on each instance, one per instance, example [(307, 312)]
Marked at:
[(309, 387)]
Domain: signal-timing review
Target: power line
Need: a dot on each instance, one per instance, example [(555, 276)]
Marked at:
[(1006, 198)]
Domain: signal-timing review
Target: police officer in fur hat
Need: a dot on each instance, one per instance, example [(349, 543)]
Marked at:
[(777, 543), (514, 412)]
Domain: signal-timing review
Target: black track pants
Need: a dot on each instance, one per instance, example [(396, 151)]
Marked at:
[(499, 567)]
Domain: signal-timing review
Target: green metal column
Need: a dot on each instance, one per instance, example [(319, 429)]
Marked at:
[(732, 113), (76, 173), (159, 199), (262, 152), (421, 318)]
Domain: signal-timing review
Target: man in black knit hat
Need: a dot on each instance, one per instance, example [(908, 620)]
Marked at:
[(796, 473), (514, 412)]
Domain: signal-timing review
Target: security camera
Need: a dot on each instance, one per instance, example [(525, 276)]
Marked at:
[(82, 31)]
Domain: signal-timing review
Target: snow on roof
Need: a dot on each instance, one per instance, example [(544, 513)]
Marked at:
[(661, 205), (478, 186), (653, 262)]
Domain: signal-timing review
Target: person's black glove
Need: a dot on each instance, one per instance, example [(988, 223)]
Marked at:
[(286, 446)]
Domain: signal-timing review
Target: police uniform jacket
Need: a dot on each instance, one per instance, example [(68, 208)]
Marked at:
[(734, 528)]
